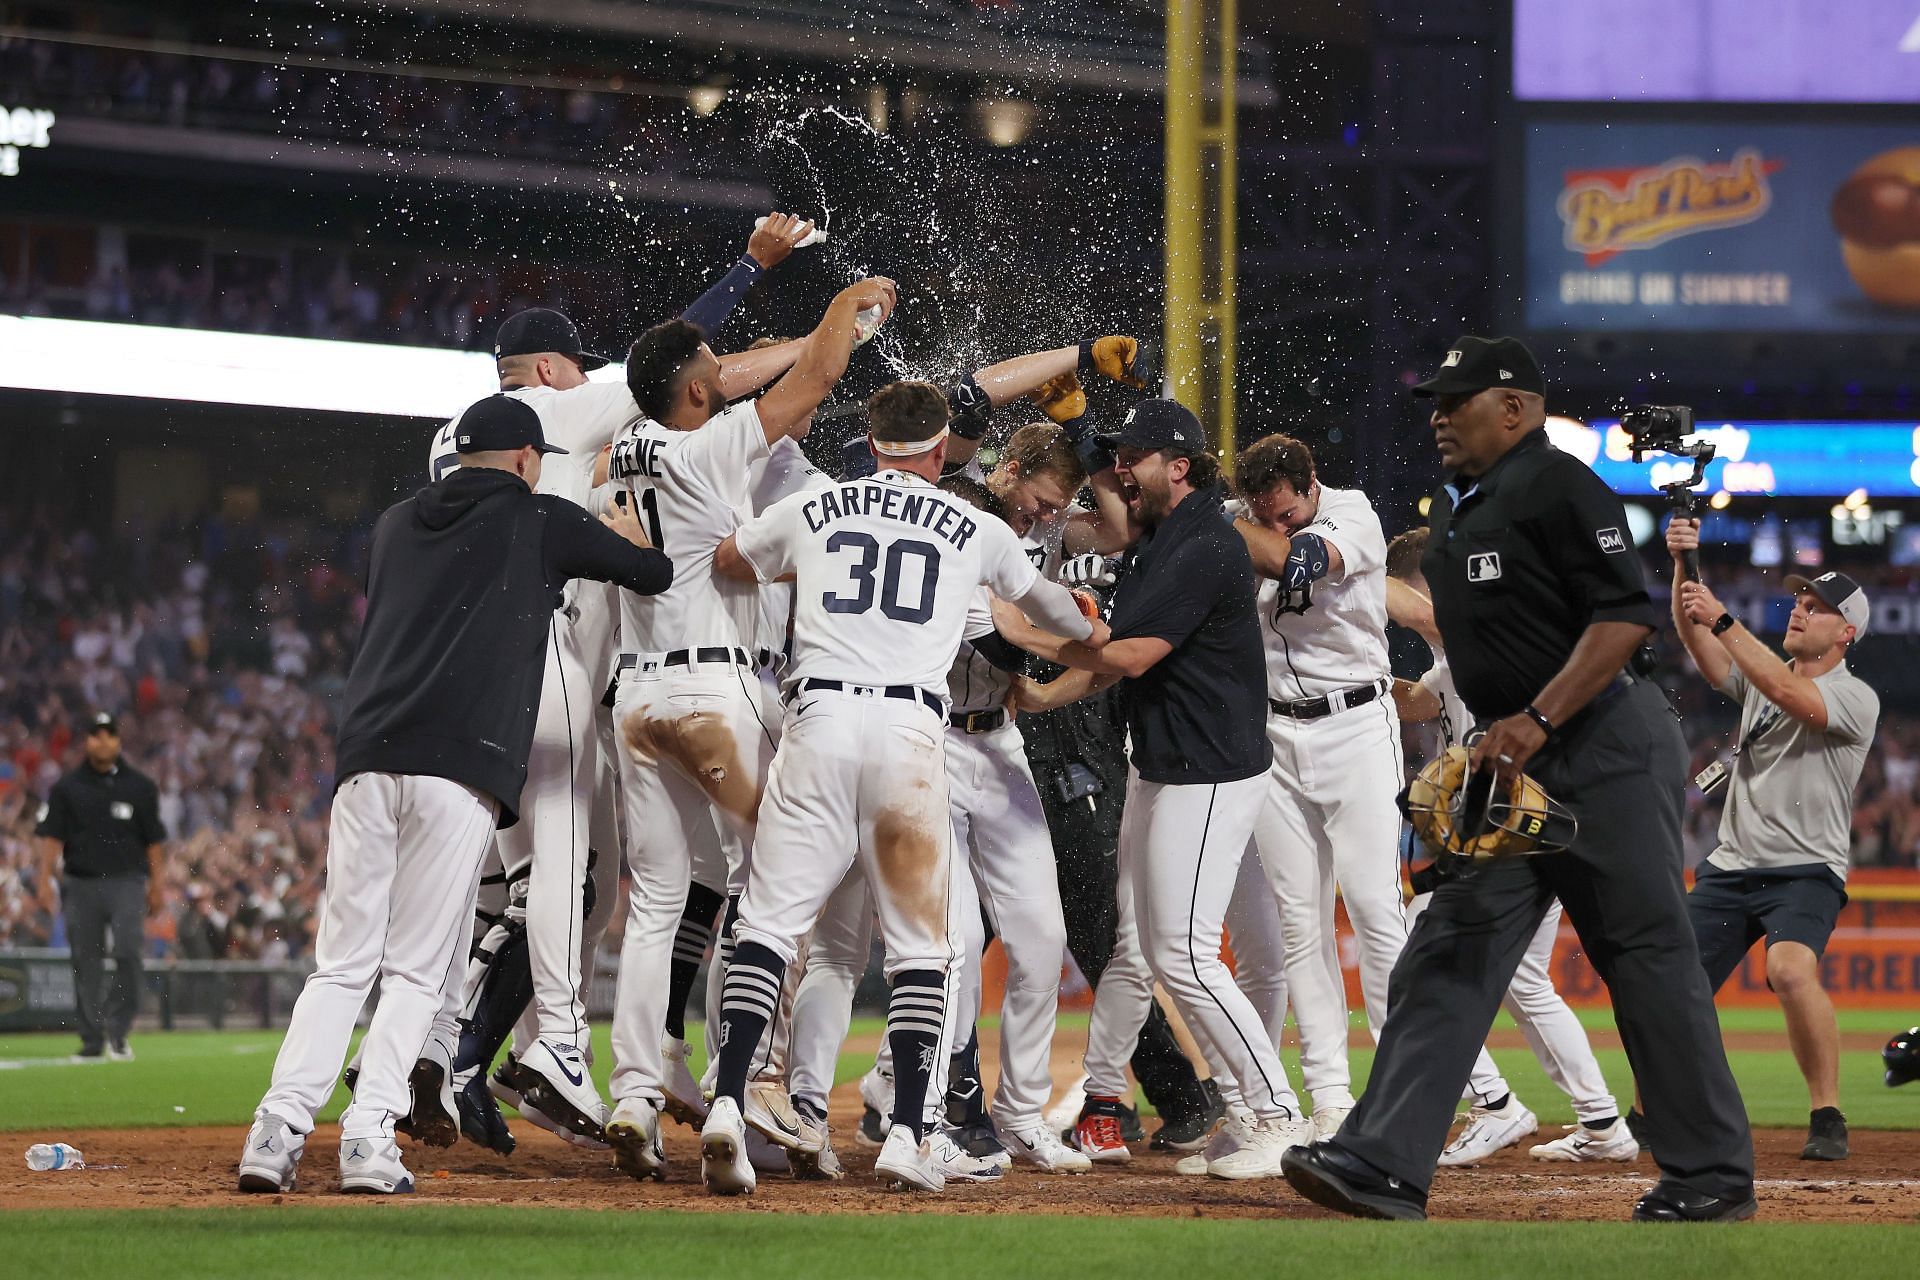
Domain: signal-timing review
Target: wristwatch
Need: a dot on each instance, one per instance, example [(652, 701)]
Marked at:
[(1722, 623)]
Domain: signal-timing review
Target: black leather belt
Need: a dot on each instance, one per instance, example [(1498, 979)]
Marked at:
[(687, 657), (1314, 708), (909, 692), (978, 721)]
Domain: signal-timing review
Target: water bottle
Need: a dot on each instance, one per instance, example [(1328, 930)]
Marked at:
[(42, 1156)]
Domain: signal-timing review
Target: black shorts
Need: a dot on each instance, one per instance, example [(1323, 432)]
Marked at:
[(1731, 910)]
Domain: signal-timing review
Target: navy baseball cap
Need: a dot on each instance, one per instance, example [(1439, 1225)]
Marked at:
[(1840, 591), (500, 422), (1474, 364), (541, 329), (1164, 425), (102, 722)]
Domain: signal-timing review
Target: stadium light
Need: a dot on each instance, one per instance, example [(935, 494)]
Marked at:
[(1005, 122)]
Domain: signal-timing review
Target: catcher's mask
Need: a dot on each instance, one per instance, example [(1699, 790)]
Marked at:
[(1462, 816)]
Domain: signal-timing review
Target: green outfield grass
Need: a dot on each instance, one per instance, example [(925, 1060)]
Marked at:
[(569, 1244), (216, 1077)]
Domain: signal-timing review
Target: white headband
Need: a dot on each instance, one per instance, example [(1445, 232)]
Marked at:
[(908, 448)]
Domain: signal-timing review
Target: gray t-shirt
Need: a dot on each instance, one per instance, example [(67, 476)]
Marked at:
[(1790, 799)]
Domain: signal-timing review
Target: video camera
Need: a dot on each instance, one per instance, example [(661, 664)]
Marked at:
[(1661, 428)]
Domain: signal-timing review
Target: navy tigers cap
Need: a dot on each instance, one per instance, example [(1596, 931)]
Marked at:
[(1158, 424), (541, 329), (500, 422), (1840, 591)]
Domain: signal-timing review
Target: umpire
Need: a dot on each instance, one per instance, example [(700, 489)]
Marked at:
[(102, 820), (1541, 602)]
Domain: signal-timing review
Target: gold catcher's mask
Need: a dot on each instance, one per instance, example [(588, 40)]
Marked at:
[(1459, 815)]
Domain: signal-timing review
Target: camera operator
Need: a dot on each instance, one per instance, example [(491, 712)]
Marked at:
[(1780, 871)]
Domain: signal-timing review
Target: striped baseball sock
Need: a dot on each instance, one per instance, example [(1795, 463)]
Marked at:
[(747, 1003), (690, 952), (914, 1017)]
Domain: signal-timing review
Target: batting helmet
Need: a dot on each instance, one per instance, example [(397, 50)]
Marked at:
[(1902, 1056), (1458, 814)]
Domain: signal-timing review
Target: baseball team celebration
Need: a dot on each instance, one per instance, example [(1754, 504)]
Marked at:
[(926, 637)]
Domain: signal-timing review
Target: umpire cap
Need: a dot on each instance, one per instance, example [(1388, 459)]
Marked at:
[(541, 329), (1474, 364)]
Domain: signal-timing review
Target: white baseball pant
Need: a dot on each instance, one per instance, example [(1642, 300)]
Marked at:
[(1182, 846), (1121, 999), (403, 856), (1258, 944), (836, 960), (697, 740)]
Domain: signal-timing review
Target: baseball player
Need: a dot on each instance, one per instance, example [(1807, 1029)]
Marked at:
[(884, 570), (697, 724), (459, 599), (1496, 1118)]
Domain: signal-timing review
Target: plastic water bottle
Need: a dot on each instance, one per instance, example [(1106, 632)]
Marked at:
[(43, 1156)]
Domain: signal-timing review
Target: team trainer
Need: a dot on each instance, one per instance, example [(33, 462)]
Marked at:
[(1541, 602)]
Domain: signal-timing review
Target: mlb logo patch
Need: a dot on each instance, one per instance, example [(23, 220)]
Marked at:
[(1483, 566), (1612, 541)]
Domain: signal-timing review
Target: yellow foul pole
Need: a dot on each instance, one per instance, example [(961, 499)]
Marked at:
[(1201, 186)]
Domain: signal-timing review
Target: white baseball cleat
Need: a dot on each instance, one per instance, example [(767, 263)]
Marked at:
[(563, 1087), (633, 1131), (1488, 1131), (907, 1164), (1041, 1147), (1581, 1144), (1261, 1142), (724, 1164), (1224, 1142), (685, 1101), (956, 1164), (823, 1166), (1327, 1122), (769, 1110), (508, 1084), (271, 1159), (1064, 1114), (372, 1164), (876, 1103)]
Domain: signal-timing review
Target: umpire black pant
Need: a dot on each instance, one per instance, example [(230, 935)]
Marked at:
[(92, 907), (1621, 768)]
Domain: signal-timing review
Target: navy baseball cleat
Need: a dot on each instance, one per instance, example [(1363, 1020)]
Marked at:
[(1333, 1179), (481, 1121)]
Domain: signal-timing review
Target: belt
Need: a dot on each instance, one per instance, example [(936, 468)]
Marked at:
[(1328, 704), (688, 657), (910, 693), (978, 721), (764, 658)]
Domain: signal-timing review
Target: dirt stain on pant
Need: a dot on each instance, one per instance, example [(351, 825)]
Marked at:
[(701, 745), (907, 853)]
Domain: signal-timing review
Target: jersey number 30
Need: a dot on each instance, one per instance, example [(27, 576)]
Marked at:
[(892, 581)]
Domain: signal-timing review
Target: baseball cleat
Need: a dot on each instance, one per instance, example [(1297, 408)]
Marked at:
[(633, 1131), (372, 1164), (1826, 1136), (480, 1120), (1191, 1132), (511, 1083), (434, 1120), (1327, 1121), (822, 1166), (1332, 1179), (906, 1163), (683, 1098), (1098, 1135), (1489, 1131), (876, 1100), (558, 1084), (724, 1165), (1582, 1144), (1224, 1142), (957, 1164), (770, 1112), (1042, 1149), (271, 1159), (982, 1140), (1262, 1142)]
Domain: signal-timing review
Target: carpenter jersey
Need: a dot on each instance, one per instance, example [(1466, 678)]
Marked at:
[(1331, 633), (689, 488), (783, 472), (1451, 728), (580, 420), (885, 571)]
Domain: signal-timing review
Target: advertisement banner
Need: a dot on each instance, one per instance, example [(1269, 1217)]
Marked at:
[(1722, 227), (1778, 459)]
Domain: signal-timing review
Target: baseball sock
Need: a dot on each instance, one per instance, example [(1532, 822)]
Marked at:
[(690, 943), (747, 1002), (914, 1017)]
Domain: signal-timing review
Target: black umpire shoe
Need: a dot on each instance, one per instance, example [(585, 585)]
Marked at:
[(1189, 1132), (1333, 1179), (1826, 1136), (1677, 1204), (481, 1120)]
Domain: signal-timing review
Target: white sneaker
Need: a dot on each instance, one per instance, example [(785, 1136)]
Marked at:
[(724, 1165), (1487, 1132), (769, 1110), (1327, 1122), (1262, 1141), (908, 1165), (956, 1164), (564, 1089), (1041, 1147), (1224, 1142), (1065, 1114), (1582, 1144), (372, 1163), (633, 1132), (271, 1159), (684, 1099)]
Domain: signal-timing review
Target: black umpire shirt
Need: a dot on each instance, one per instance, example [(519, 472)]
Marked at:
[(1521, 561), (103, 821), (1199, 715)]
